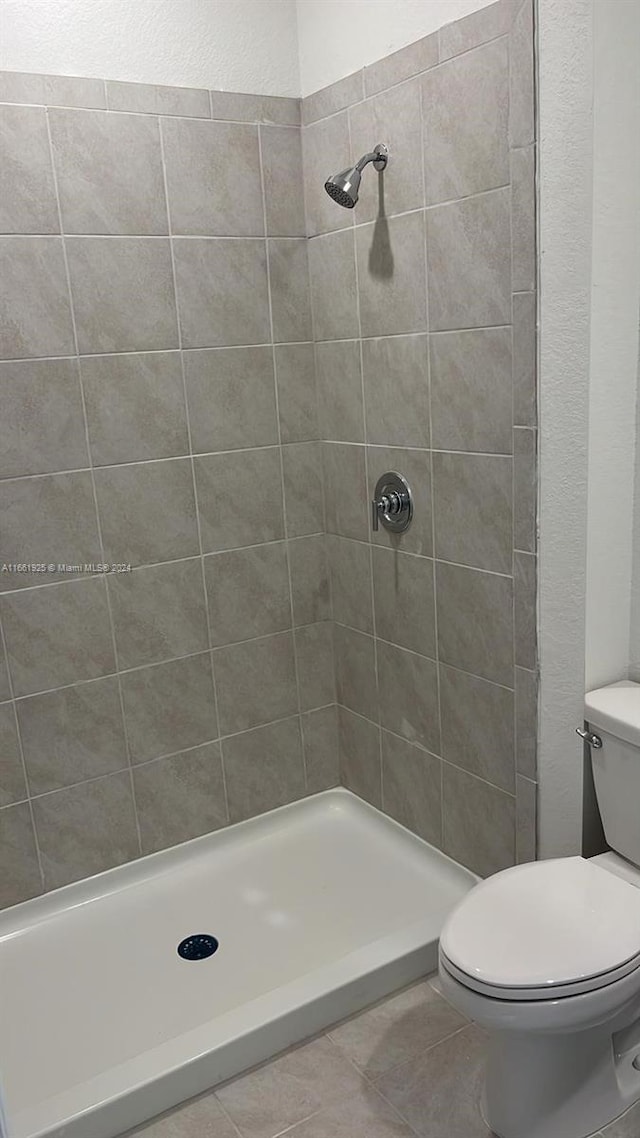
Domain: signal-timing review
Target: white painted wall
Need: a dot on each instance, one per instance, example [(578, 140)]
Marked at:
[(565, 61), (337, 37), (232, 45), (634, 652), (615, 303)]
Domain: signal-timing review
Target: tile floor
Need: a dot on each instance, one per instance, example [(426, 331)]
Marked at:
[(409, 1067)]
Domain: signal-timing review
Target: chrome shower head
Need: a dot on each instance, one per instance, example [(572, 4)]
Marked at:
[(345, 186)]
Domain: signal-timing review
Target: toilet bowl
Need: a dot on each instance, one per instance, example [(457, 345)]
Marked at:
[(546, 958)]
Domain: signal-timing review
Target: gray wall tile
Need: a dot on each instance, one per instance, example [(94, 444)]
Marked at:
[(27, 193), (476, 28), (180, 798), (412, 787), (48, 519), (395, 119), (222, 292), (309, 580), (302, 472), (396, 390), (347, 513), (478, 727), (523, 220), (333, 98), (53, 90), (524, 568), (123, 294), (208, 194), (473, 510), (42, 426), (20, 877), (248, 592), (522, 103), (356, 685), (339, 381), (478, 821), (169, 707), (35, 314), (409, 695), (109, 172), (314, 658), (153, 99), (297, 402), (326, 149), (255, 108), (402, 64), (255, 682), (526, 815), (468, 254), (466, 123), (335, 309), (472, 390), (13, 787), (289, 279), (135, 407), (525, 490), (5, 690), (524, 359), (391, 275), (72, 735), (351, 585), (231, 397), (250, 480), (360, 761), (281, 150), (475, 622), (526, 722), (57, 635), (158, 613), (320, 739), (264, 768), (404, 600), (147, 511), (86, 829)]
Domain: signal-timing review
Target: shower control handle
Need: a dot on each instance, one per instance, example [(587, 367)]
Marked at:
[(392, 503)]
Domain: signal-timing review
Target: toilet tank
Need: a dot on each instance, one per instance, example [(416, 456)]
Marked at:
[(613, 713)]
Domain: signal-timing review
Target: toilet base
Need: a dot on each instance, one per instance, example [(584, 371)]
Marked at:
[(553, 1083), (565, 1086)]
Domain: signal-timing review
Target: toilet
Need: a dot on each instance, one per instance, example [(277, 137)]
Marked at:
[(546, 958)]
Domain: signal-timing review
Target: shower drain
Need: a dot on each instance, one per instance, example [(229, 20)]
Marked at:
[(197, 947)]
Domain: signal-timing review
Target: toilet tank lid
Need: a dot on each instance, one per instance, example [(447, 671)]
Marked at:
[(615, 709)]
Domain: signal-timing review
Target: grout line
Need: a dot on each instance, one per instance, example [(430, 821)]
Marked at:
[(85, 421), (367, 490), (436, 640), (205, 591), (281, 458), (29, 800)]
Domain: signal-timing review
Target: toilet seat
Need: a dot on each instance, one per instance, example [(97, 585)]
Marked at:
[(543, 931)]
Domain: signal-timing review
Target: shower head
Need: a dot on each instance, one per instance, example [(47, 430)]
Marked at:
[(345, 186)]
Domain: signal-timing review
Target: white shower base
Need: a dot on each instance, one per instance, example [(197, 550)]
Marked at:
[(320, 908)]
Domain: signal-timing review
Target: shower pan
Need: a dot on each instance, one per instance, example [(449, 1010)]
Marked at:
[(140, 987)]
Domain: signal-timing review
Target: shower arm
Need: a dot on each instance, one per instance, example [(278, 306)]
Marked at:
[(379, 157)]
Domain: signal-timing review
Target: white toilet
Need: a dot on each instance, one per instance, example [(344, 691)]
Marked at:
[(546, 958)]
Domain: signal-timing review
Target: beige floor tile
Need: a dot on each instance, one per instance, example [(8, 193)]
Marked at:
[(626, 1127), (200, 1118), (365, 1115), (439, 1092), (397, 1029), (290, 1089)]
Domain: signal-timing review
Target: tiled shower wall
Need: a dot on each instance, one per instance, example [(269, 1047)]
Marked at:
[(424, 307), (158, 409)]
